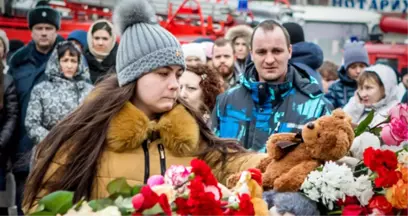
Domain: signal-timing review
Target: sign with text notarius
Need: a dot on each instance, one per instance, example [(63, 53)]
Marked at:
[(387, 6)]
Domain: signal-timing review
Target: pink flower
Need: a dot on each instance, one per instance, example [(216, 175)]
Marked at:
[(155, 180), (177, 176), (395, 132), (137, 201), (400, 111)]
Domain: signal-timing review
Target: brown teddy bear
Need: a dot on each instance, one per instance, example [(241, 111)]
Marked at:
[(293, 156)]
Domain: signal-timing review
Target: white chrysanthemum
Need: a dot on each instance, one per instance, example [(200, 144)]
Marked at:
[(334, 183), (313, 194), (363, 189)]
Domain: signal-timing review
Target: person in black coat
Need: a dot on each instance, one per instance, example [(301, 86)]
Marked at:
[(8, 121), (405, 98), (102, 49)]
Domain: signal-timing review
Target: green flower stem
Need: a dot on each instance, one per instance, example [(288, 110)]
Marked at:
[(336, 212), (379, 124)]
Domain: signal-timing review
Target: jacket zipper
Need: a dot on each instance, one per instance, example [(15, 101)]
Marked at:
[(162, 159), (147, 160)]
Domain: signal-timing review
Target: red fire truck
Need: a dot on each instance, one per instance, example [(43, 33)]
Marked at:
[(390, 53), (186, 19)]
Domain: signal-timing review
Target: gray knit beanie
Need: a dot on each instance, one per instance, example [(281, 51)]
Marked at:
[(355, 52), (144, 45)]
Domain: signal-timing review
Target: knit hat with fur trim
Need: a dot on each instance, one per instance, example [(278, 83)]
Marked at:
[(145, 45), (243, 31), (43, 13)]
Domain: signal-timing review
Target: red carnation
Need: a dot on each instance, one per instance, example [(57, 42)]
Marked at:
[(380, 203), (353, 210), (376, 159), (200, 168), (150, 198), (245, 206), (164, 204), (206, 205), (182, 206), (348, 201), (196, 187), (386, 178)]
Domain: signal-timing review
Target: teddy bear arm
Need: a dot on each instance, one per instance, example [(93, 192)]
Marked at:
[(293, 180), (273, 171), (264, 164)]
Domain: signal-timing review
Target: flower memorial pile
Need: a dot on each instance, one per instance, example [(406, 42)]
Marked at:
[(379, 184), (182, 190)]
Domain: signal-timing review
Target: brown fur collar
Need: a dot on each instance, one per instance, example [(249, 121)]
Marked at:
[(179, 131)]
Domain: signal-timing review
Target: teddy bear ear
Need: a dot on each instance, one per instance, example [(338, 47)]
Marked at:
[(340, 114)]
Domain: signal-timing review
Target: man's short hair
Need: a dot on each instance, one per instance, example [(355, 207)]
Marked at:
[(220, 42), (270, 25)]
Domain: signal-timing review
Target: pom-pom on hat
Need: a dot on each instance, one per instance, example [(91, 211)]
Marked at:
[(145, 45)]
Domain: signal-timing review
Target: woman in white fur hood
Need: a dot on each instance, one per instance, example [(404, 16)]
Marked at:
[(377, 90)]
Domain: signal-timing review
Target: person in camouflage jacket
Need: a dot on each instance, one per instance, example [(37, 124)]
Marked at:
[(55, 98)]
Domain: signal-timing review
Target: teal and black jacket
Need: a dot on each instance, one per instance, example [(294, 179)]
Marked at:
[(252, 111)]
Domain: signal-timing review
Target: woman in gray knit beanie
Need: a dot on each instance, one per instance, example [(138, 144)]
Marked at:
[(133, 124)]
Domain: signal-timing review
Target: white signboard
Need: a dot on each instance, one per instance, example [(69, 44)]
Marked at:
[(395, 6)]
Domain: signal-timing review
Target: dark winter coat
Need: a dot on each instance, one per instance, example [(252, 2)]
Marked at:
[(26, 72), (309, 57), (99, 69), (405, 98), (8, 119), (341, 90), (252, 111)]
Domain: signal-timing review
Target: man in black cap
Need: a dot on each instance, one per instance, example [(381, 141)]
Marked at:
[(27, 66), (305, 55)]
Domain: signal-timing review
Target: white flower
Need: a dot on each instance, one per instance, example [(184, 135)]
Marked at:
[(85, 209), (334, 182), (110, 210), (123, 202), (362, 142), (363, 189), (403, 158)]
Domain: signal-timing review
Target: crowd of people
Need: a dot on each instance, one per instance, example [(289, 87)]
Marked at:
[(80, 111)]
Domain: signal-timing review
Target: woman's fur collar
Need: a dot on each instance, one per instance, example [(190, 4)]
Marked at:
[(178, 130)]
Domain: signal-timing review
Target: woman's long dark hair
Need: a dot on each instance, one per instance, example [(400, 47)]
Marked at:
[(83, 135)]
